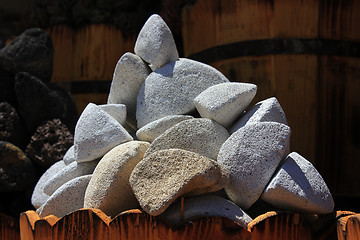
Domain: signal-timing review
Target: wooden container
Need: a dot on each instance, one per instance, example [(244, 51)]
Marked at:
[(85, 59), (304, 52), (135, 224), (9, 227), (348, 227)]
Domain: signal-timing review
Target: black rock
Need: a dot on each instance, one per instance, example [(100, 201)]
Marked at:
[(32, 52), (7, 91), (17, 171), (38, 103), (12, 128), (49, 143)]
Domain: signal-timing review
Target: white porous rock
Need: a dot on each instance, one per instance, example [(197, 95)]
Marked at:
[(109, 189), (171, 89), (117, 111), (205, 206), (69, 156), (251, 155), (298, 186), (160, 178), (129, 74), (96, 133), (268, 110), (199, 135), (155, 43), (68, 198), (224, 102), (71, 171), (154, 129), (39, 197)]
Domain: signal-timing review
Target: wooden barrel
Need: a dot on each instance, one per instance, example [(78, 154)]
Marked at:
[(304, 52), (85, 59)]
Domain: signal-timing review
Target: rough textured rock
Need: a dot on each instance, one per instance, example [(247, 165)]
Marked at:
[(251, 155), (171, 89), (12, 128), (154, 129), (160, 178), (268, 110), (68, 198), (32, 52), (109, 189), (199, 135), (96, 133), (155, 43), (39, 197), (49, 143), (17, 172), (117, 111), (129, 74), (37, 102), (205, 206), (298, 186), (69, 156), (69, 172), (224, 102)]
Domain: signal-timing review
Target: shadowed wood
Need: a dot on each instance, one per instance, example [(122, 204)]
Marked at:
[(9, 227)]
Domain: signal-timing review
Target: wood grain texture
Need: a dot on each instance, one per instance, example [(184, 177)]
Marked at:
[(348, 226), (89, 53), (135, 224), (9, 227), (317, 92)]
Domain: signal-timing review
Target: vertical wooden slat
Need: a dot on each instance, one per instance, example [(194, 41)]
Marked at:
[(9, 227)]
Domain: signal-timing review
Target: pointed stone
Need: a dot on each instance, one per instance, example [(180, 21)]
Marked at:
[(69, 156), (129, 74), (96, 133), (68, 173), (205, 206), (224, 102), (68, 198), (199, 135), (171, 89), (298, 186), (109, 189), (251, 155), (117, 111), (39, 197), (155, 43), (154, 129), (160, 178), (268, 110)]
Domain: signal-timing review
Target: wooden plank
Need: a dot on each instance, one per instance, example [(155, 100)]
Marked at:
[(9, 227)]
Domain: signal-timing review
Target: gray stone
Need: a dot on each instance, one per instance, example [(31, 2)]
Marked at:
[(67, 199), (268, 110), (155, 43), (160, 178), (32, 51), (154, 129), (129, 74), (71, 171), (39, 197), (205, 206), (96, 133), (171, 89), (109, 189), (251, 155), (298, 186), (69, 156), (117, 111), (199, 135), (224, 102)]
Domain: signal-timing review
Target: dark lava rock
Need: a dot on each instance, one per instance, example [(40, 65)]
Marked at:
[(12, 129), (17, 172), (37, 102), (49, 143), (7, 91), (32, 52)]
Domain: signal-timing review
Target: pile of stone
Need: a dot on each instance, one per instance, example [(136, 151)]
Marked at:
[(174, 128), (37, 120)]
